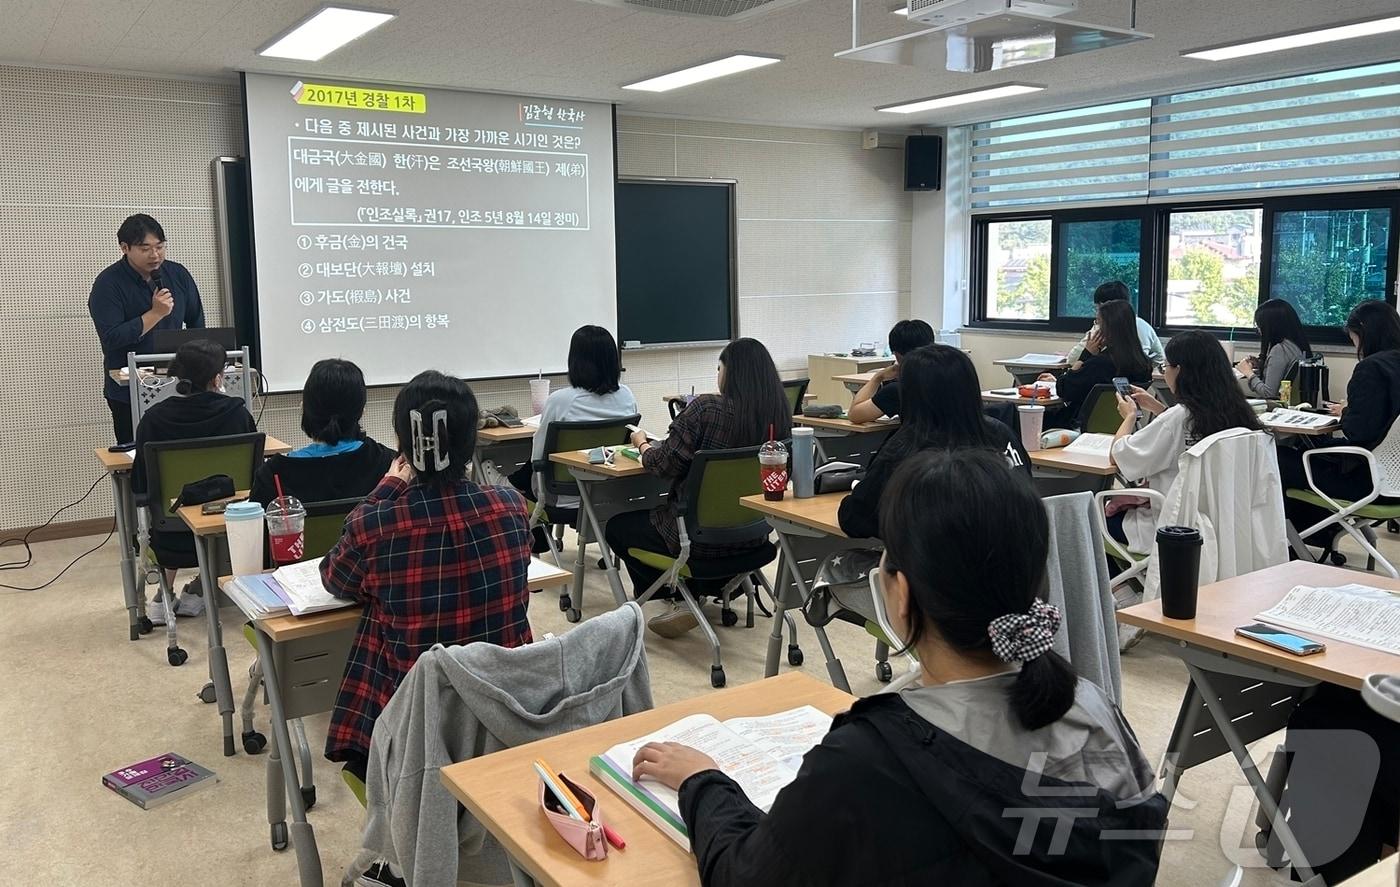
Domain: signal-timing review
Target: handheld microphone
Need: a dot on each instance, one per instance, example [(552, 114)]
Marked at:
[(155, 281)]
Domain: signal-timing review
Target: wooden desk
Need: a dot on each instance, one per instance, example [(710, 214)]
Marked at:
[(202, 524), (1022, 371), (302, 660), (502, 434), (1382, 874), (1222, 606), (822, 370), (1050, 403), (808, 531), (500, 789), (855, 381), (123, 462), (846, 426), (603, 491), (507, 448), (816, 512), (1079, 463), (1242, 691)]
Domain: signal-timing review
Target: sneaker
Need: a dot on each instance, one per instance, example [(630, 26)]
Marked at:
[(155, 611), (674, 622), (380, 875), (189, 604)]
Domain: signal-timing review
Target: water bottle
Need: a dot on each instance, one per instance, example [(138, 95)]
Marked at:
[(804, 462)]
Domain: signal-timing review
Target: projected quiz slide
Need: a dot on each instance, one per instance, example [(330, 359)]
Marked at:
[(406, 228)]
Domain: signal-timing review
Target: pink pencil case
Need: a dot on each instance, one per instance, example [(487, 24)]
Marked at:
[(585, 837)]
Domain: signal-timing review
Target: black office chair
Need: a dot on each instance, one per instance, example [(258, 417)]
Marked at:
[(796, 391)]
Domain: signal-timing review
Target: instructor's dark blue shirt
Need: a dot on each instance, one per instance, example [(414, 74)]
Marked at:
[(119, 297)]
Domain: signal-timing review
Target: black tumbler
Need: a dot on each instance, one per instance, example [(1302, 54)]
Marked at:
[(1179, 562)]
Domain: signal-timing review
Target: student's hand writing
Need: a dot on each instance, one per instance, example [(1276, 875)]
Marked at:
[(401, 468), (1336, 408), (638, 438), (670, 763)]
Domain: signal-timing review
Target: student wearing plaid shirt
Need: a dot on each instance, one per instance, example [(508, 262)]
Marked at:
[(750, 402), (434, 558)]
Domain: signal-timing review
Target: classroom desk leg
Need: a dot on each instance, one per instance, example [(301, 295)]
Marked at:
[(833, 665), (775, 637), (597, 527), (302, 835), (218, 657), (1201, 678), (122, 508)]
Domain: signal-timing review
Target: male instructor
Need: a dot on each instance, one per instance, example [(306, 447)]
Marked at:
[(136, 294)]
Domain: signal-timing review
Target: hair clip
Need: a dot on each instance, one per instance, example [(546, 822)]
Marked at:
[(435, 443)]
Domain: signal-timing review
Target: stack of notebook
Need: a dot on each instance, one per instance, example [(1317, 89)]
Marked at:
[(295, 589)]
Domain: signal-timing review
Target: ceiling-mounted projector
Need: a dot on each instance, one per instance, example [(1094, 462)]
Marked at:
[(953, 12)]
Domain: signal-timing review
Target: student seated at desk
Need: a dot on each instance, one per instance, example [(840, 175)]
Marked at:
[(880, 396), (341, 462), (199, 409), (1113, 291), (1282, 343), (434, 558), (942, 410), (1208, 400), (751, 403), (595, 393), (1371, 407), (1112, 351), (930, 785)]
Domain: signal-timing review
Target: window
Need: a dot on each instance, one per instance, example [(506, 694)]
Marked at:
[(1326, 259), (1017, 281), (1213, 266), (1092, 252)]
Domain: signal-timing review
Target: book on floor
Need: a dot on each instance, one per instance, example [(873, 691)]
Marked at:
[(762, 754), (158, 780)]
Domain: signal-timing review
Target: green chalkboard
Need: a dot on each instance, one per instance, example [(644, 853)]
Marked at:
[(677, 263)]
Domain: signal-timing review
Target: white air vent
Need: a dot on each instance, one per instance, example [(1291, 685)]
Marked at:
[(729, 10), (947, 12)]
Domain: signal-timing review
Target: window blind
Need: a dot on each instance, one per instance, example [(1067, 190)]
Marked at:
[(1336, 128)]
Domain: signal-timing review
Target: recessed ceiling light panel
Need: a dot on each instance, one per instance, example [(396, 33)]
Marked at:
[(730, 64), (1296, 39), (324, 31), (953, 99)]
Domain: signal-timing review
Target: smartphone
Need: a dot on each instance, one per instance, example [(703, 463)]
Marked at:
[(1277, 637), (1123, 386), (1006, 391), (218, 507)]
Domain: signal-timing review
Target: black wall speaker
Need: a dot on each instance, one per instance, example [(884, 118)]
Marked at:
[(923, 163)]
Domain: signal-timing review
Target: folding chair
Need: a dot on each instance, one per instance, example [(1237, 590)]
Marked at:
[(325, 521), (796, 391), (170, 464), (1098, 414), (1383, 463), (550, 481), (709, 513)]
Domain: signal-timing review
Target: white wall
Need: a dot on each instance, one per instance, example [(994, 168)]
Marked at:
[(824, 250)]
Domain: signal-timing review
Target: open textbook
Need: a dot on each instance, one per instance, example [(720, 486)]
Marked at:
[(1358, 614), (761, 754)]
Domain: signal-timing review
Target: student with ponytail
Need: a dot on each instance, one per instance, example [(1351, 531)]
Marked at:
[(200, 409), (341, 462), (1002, 768), (433, 557)]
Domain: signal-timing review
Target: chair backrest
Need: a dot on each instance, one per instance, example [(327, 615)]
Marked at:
[(325, 521), (170, 464), (563, 437), (710, 498), (796, 391), (1099, 412), (1387, 456)]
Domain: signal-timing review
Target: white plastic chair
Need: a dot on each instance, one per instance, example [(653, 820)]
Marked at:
[(1137, 563), (1384, 465)]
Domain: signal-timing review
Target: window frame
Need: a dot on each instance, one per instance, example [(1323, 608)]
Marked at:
[(1153, 266)]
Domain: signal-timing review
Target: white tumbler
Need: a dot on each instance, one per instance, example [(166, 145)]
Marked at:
[(539, 393), (243, 522), (1032, 418)]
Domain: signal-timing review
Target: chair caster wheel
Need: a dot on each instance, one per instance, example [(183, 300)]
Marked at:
[(176, 656), (207, 694), (254, 742), (144, 625), (565, 602), (279, 836), (602, 564), (716, 676), (308, 797), (729, 618), (1392, 526), (794, 654), (883, 672), (572, 615), (1338, 559)]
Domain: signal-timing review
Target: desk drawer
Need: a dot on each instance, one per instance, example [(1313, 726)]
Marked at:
[(309, 671)]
